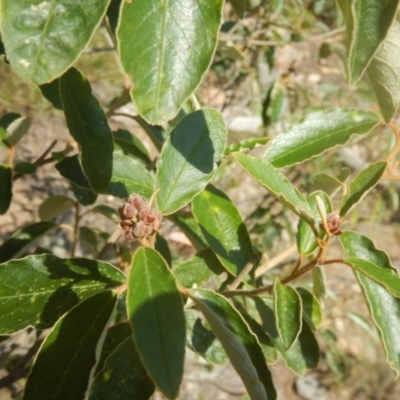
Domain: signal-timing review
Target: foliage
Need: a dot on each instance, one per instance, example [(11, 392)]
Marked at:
[(119, 329)]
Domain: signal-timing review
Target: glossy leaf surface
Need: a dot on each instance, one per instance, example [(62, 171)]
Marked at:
[(189, 159), (288, 313), (277, 184), (384, 72), (317, 133), (223, 228), (37, 290), (367, 23), (377, 297), (155, 310), (385, 277), (361, 185), (168, 62), (239, 342), (20, 240), (65, 362), (43, 38), (88, 125)]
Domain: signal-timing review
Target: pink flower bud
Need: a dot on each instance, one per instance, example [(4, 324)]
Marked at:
[(137, 201), (139, 230)]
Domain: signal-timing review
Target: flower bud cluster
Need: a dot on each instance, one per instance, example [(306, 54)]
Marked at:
[(139, 220)]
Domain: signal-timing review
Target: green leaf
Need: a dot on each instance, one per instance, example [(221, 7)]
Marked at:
[(326, 182), (186, 166), (189, 226), (116, 334), (319, 282), (161, 245), (130, 145), (287, 312), (155, 310), (54, 206), (169, 61), (267, 347), (113, 12), (247, 144), (5, 121), (279, 186), (88, 125), (223, 228), (202, 340), (16, 130), (383, 307), (361, 185), (317, 133), (5, 188), (37, 290), (51, 92), (384, 72), (311, 306), (306, 241), (123, 376), (20, 240), (108, 212), (84, 196), (239, 342), (43, 38), (385, 277), (65, 362), (367, 23), (304, 353), (127, 176), (198, 269), (24, 168), (71, 169), (239, 7), (89, 238)]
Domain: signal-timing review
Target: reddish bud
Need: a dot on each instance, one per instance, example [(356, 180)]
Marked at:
[(137, 201), (334, 223)]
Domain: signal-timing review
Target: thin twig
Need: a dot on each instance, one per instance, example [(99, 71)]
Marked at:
[(41, 160), (243, 273), (275, 261), (117, 103)]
